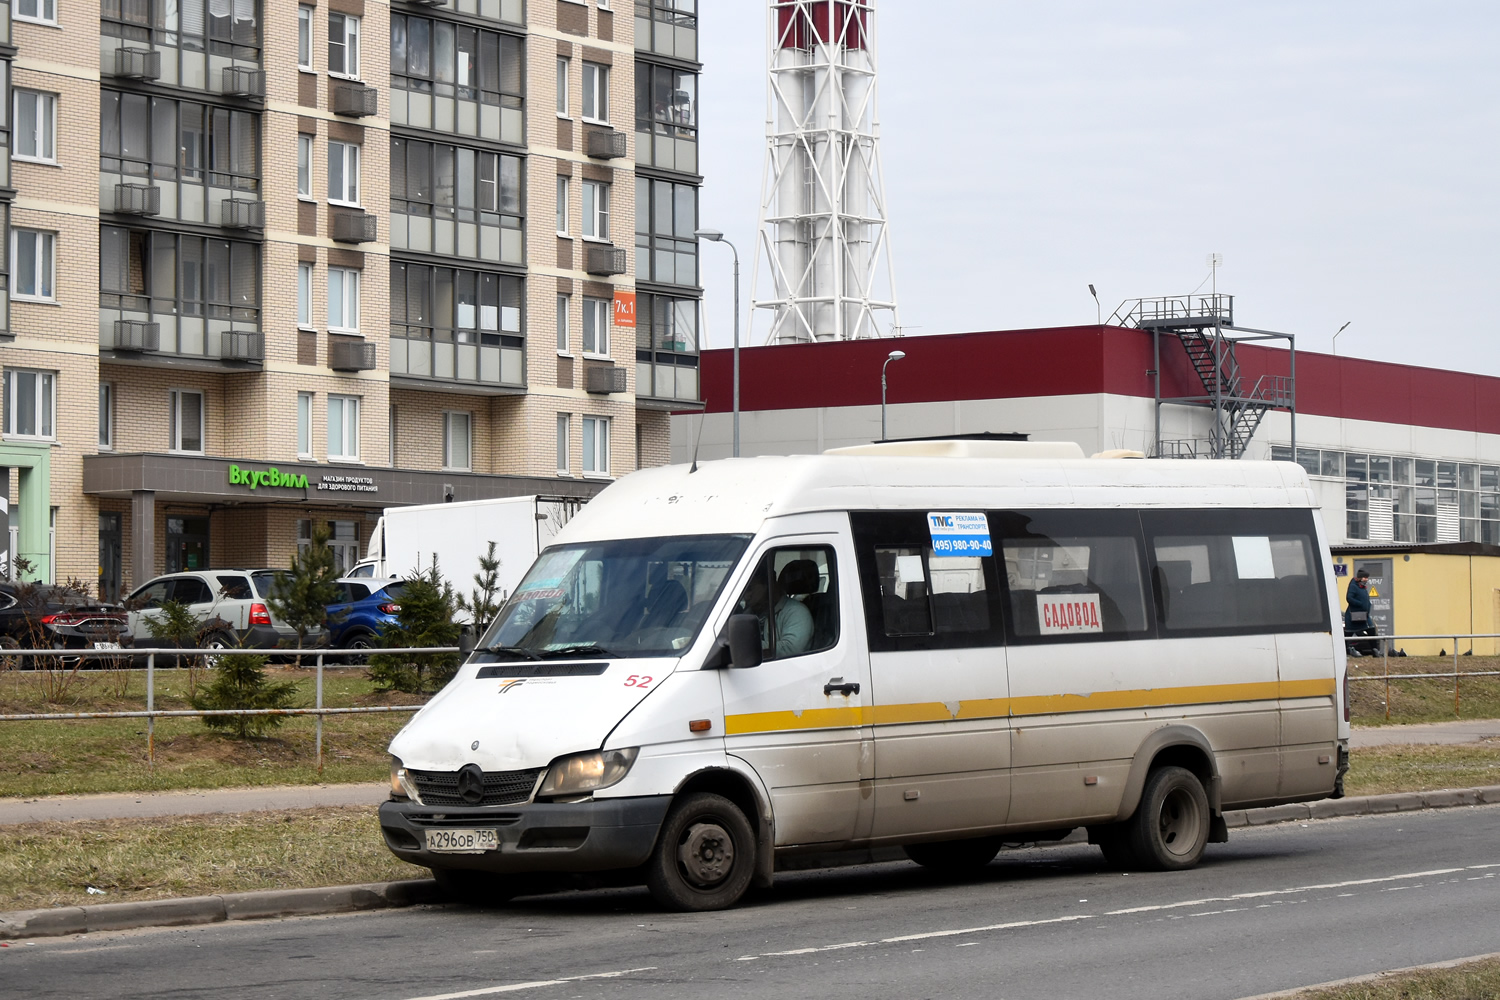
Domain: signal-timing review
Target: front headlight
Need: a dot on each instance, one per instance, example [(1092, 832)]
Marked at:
[(402, 787), (587, 772)]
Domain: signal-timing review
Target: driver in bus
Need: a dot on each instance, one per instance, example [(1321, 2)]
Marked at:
[(794, 623)]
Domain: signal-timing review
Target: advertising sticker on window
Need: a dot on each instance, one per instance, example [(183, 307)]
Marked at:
[(1068, 614), (959, 534)]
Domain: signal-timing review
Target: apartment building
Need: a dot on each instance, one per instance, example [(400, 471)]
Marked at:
[(348, 254)]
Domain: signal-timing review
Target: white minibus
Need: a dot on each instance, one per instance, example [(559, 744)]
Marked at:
[(945, 646)]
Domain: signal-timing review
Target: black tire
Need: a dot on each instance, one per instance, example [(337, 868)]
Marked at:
[(704, 855), (954, 857), (358, 640), (464, 885), (11, 662), (217, 640), (1170, 827)]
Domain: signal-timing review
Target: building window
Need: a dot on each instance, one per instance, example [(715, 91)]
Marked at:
[(596, 445), (106, 415), (32, 255), (456, 441), (343, 45), (304, 424), (673, 28), (304, 166), (304, 296), (36, 127), (666, 347), (343, 427), (666, 101), (666, 216), (185, 28), (595, 210), (40, 11), (435, 180), (596, 93), (562, 205), (185, 423), (563, 302), (562, 87), (563, 422), (179, 144), (343, 300), (455, 60), (343, 173), (434, 308), (30, 402), (304, 38), (171, 276), (596, 326)]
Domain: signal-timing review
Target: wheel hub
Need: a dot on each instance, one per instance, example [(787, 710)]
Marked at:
[(1178, 822), (706, 854)]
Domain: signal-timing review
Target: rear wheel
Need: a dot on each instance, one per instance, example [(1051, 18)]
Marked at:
[(9, 662), (955, 856), (359, 640), (218, 640), (704, 856), (1170, 827)]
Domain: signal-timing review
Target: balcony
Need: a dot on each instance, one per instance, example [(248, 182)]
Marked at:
[(604, 379), (603, 260), (605, 143), (138, 64), (354, 100), (352, 225), (137, 199), (351, 356), (243, 81), (242, 213), (136, 335)]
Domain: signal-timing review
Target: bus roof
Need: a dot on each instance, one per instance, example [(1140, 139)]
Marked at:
[(736, 496)]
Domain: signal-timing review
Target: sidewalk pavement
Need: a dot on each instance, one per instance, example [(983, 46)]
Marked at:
[(63, 808)]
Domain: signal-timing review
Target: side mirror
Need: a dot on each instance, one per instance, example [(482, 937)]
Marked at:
[(743, 634), (737, 646)]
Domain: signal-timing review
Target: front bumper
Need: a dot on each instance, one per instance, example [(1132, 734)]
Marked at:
[(601, 835)]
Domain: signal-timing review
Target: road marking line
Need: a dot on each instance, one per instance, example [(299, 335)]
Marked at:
[(985, 929), (537, 984), (1282, 892)]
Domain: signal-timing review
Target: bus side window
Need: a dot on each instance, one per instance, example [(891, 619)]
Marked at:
[(794, 594), (903, 590)]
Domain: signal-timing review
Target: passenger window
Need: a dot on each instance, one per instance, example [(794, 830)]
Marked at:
[(234, 588), (1074, 574), (1235, 571), (152, 596), (794, 594), (191, 590), (903, 590)]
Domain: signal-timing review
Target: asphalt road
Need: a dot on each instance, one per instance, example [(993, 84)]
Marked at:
[(1277, 907)]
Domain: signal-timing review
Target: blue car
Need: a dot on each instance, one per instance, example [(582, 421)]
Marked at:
[(364, 607)]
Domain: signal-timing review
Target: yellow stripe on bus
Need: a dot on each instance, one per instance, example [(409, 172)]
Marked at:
[(999, 708)]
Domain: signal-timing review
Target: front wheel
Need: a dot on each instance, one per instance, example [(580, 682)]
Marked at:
[(1170, 827), (704, 856)]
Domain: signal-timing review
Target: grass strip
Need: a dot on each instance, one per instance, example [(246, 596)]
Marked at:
[(1471, 981), (1421, 768), (1418, 700), (54, 864)]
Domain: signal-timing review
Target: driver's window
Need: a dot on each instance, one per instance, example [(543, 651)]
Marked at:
[(152, 596), (794, 594)]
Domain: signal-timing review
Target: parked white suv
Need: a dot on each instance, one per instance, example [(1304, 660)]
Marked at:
[(231, 601)]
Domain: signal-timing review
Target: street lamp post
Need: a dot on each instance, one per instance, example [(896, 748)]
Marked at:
[(893, 356), (1336, 336), (716, 236)]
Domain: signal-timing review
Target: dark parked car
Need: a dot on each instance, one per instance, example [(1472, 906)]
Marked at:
[(39, 616), (365, 607)]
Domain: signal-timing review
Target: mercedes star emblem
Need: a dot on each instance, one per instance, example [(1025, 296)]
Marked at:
[(471, 784)]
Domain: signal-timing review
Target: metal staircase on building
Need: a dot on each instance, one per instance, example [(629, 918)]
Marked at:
[(1204, 326)]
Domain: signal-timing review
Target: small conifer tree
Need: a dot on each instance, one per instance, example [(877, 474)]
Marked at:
[(240, 682), (485, 599), (300, 597), (425, 620)]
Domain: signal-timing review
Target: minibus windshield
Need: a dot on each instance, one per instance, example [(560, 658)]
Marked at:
[(624, 597)]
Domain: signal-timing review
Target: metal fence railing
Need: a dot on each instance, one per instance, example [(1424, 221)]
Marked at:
[(151, 713), (1458, 673)]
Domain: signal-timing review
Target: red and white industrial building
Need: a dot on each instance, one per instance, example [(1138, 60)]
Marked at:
[(1398, 454)]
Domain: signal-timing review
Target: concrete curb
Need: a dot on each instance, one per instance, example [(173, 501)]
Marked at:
[(63, 920)]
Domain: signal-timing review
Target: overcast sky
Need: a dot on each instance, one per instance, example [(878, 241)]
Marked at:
[(1342, 157)]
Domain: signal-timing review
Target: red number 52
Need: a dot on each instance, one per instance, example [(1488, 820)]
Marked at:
[(637, 680)]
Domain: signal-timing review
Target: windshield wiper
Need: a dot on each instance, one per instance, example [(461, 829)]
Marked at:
[(590, 650), (516, 651)]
